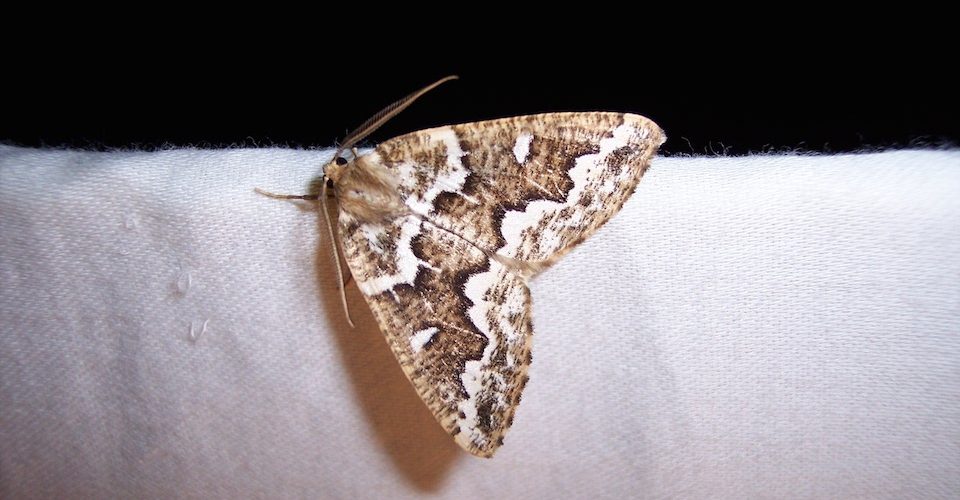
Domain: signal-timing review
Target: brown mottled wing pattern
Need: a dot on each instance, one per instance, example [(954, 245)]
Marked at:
[(435, 302), (527, 188)]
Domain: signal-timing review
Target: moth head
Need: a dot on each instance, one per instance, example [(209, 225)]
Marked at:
[(334, 169), (367, 189)]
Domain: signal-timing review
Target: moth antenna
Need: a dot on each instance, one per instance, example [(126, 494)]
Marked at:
[(268, 194), (385, 114), (336, 256)]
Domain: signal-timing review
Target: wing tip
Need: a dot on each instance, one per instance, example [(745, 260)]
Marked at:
[(481, 451), (658, 134)]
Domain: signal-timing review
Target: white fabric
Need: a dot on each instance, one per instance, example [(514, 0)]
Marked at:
[(768, 326)]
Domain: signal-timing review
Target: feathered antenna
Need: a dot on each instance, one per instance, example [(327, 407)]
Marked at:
[(385, 114)]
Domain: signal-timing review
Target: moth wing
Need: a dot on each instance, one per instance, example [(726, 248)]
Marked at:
[(457, 321), (529, 187), (524, 189)]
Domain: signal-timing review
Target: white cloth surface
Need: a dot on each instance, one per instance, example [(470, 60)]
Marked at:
[(766, 326)]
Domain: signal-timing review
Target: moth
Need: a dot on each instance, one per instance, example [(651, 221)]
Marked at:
[(443, 228)]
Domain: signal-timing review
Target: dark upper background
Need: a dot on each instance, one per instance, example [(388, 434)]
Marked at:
[(709, 103)]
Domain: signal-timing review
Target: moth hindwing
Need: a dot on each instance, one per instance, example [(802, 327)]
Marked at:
[(442, 228)]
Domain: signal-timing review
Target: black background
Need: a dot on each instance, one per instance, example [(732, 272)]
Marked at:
[(722, 99)]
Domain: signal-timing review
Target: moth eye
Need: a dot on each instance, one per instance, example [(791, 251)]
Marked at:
[(340, 161), (329, 183)]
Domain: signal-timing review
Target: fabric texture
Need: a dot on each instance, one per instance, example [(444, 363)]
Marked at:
[(765, 326)]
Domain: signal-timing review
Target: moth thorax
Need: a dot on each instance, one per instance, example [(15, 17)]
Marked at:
[(367, 190)]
